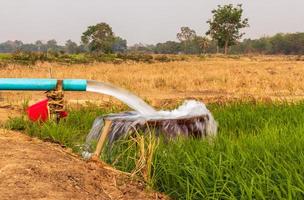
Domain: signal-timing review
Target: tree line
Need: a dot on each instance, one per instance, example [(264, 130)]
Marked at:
[(224, 36), (288, 44), (70, 47), (96, 39)]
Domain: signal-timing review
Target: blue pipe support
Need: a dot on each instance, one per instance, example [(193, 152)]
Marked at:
[(42, 84)]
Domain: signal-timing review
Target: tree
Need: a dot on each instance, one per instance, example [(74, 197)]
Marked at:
[(18, 44), (169, 47), (186, 34), (29, 48), (187, 39), (203, 43), (52, 45), (71, 47), (10, 46), (119, 45), (98, 38), (141, 48), (225, 25), (39, 44)]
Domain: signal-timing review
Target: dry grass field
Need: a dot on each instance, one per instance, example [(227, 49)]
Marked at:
[(208, 79)]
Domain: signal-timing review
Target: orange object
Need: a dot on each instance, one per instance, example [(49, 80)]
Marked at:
[(39, 111)]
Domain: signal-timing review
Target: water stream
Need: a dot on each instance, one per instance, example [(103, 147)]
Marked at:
[(125, 96), (143, 110)]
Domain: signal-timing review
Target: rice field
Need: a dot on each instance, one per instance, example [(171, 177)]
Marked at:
[(258, 153)]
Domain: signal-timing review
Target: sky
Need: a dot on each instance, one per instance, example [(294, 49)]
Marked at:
[(138, 21)]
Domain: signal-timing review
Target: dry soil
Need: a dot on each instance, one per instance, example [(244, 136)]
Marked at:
[(33, 169)]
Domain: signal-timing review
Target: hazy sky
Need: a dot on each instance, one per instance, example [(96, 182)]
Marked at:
[(146, 21)]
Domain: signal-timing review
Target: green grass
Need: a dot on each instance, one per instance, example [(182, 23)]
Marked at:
[(5, 56), (258, 154), (31, 58), (70, 132)]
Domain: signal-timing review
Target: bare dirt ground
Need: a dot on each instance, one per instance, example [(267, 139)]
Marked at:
[(32, 169), (7, 111)]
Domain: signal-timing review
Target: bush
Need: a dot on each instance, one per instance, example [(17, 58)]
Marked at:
[(162, 58), (28, 58), (137, 57), (31, 58)]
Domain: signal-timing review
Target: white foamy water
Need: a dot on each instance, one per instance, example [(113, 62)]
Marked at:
[(144, 111), (188, 108)]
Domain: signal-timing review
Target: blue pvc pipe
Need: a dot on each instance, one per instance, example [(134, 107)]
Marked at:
[(41, 84), (27, 84), (74, 85)]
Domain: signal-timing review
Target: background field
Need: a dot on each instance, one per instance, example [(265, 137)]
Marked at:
[(214, 79)]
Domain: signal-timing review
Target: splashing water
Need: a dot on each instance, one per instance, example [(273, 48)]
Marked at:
[(189, 110), (146, 112)]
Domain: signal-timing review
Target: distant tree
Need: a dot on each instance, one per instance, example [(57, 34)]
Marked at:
[(5, 47), (262, 45), (39, 44), (169, 47), (10, 46), (187, 39), (18, 44), (52, 46), (119, 45), (81, 48), (281, 44), (186, 34), (29, 48), (203, 43), (288, 44), (296, 43), (98, 38), (71, 47), (225, 25), (141, 48)]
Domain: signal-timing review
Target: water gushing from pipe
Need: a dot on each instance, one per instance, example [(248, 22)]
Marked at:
[(192, 117), (125, 96)]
